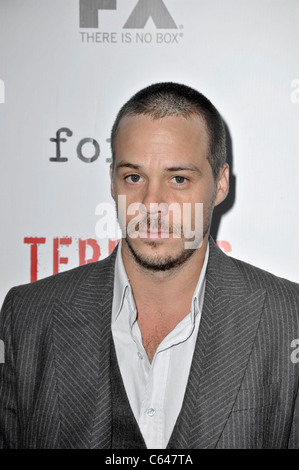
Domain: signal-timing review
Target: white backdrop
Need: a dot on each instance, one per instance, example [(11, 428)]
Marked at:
[(55, 73)]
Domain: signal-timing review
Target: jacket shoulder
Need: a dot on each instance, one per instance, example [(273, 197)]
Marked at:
[(57, 284), (259, 278), (32, 303)]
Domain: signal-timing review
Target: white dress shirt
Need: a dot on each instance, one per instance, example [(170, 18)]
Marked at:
[(155, 390)]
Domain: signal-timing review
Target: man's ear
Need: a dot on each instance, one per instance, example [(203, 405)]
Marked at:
[(111, 181), (222, 184)]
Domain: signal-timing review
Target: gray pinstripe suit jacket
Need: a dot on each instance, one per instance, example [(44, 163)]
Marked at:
[(242, 392)]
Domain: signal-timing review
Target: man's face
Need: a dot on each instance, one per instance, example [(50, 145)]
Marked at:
[(161, 164)]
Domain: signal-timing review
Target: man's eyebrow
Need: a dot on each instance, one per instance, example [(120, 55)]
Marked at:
[(127, 165), (133, 166), (192, 168)]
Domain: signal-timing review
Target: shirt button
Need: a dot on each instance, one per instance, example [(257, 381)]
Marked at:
[(139, 355), (150, 412)]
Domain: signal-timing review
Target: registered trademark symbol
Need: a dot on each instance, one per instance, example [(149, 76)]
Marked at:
[(181, 26)]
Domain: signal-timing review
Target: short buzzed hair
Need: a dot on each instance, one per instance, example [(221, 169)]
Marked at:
[(166, 99)]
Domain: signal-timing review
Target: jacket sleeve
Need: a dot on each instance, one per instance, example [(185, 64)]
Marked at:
[(8, 401)]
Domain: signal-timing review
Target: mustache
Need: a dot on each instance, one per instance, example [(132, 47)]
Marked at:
[(156, 224)]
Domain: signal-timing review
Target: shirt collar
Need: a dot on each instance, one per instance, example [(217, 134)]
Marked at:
[(122, 286)]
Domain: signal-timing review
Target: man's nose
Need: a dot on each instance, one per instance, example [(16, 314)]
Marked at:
[(154, 199)]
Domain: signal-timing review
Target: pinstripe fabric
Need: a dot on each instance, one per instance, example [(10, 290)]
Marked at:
[(54, 385), (83, 340), (242, 386), (242, 391)]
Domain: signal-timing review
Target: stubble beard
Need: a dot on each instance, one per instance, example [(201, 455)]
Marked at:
[(168, 262), (159, 263)]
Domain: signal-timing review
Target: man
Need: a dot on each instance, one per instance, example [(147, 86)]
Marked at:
[(163, 343)]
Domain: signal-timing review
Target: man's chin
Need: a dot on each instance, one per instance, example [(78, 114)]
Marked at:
[(158, 261)]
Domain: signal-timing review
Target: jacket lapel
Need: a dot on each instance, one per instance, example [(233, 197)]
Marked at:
[(82, 338), (230, 318)]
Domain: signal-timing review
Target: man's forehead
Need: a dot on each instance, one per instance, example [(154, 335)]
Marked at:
[(173, 140), (178, 129), (137, 120)]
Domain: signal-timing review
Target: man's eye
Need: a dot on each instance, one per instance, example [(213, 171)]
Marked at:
[(179, 179), (133, 178)]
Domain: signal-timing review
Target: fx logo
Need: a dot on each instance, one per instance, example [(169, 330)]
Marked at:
[(144, 10)]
